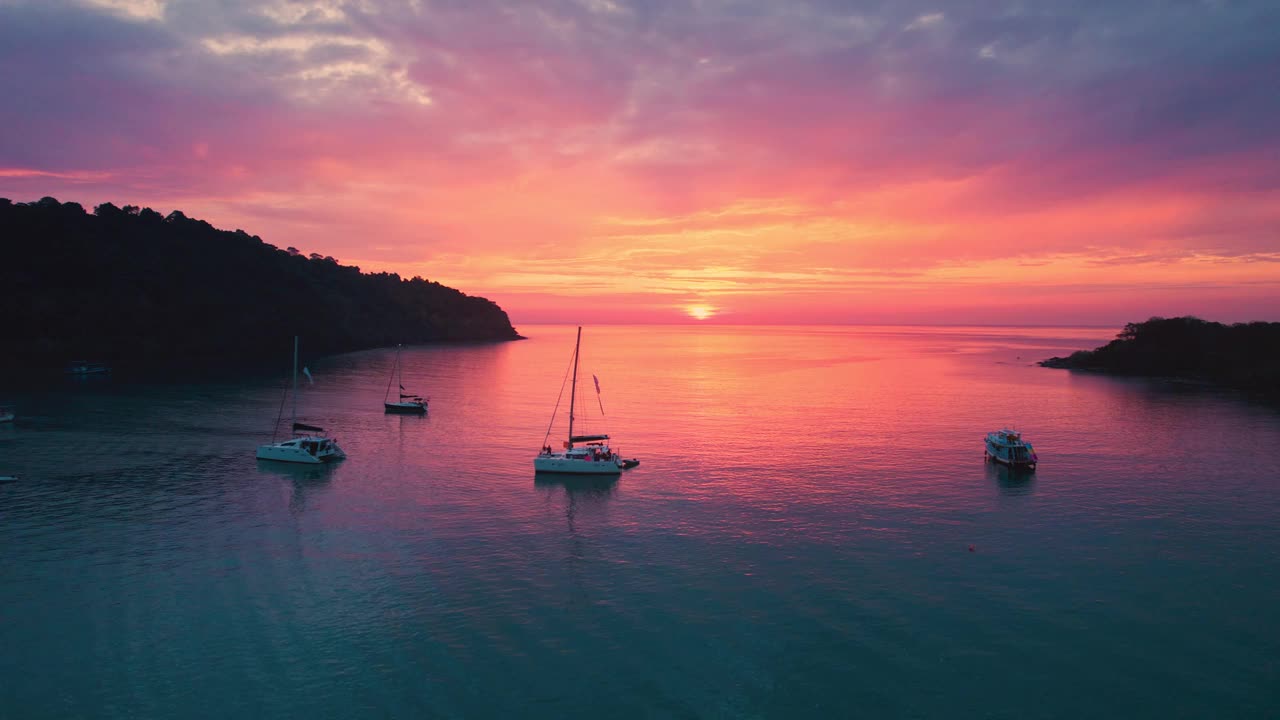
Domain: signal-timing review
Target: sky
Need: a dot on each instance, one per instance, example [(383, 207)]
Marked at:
[(749, 161)]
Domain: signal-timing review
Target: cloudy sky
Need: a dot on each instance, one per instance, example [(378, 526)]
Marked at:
[(1084, 162)]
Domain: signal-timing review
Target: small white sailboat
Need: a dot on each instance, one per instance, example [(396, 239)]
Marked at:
[(407, 402), (309, 445), (582, 454)]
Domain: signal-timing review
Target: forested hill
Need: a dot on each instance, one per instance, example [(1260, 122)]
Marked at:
[(132, 288), (1244, 355)]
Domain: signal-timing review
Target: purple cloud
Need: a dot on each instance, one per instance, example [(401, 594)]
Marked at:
[(384, 114)]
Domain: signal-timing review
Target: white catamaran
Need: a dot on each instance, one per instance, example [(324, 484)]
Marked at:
[(308, 445), (582, 454), (406, 403)]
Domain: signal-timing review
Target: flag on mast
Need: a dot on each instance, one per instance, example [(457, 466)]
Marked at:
[(593, 377), (307, 372)]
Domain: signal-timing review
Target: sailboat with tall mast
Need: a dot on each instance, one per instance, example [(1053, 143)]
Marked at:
[(406, 402), (308, 444), (582, 454)]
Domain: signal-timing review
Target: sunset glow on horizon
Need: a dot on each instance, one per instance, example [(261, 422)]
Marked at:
[(700, 312), (666, 161)]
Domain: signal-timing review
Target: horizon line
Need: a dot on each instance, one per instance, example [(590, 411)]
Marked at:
[(696, 323)]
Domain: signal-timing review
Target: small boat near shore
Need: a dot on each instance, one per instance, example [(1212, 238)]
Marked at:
[(407, 403), (6, 414), (1008, 448), (8, 478), (309, 445)]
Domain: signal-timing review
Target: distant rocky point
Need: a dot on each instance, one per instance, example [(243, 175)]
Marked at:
[(130, 287), (1245, 356)]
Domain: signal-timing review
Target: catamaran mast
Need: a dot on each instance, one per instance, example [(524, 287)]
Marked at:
[(395, 371), (295, 382), (574, 388)]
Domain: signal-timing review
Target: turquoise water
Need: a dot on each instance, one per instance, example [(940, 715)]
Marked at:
[(796, 543)]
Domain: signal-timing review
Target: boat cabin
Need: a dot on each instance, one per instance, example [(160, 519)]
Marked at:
[(312, 446), (594, 447), (1007, 446), (593, 452)]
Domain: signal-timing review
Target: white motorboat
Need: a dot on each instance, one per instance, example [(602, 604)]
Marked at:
[(1007, 447), (581, 454), (309, 445), (407, 402)]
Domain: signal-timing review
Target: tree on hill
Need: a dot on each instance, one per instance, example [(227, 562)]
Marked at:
[(1243, 355), (132, 287)]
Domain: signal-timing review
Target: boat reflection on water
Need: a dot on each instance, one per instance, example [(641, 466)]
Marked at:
[(398, 421), (1011, 480), (306, 480), (296, 471), (577, 484), (583, 494)]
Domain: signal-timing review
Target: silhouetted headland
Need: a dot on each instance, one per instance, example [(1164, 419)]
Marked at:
[(129, 287), (1245, 356)]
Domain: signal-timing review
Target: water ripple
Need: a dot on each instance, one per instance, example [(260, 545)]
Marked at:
[(812, 532)]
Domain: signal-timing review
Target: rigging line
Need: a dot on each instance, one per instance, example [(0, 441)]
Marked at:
[(393, 376), (284, 395), (558, 399)]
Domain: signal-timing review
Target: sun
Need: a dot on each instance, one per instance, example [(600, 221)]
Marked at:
[(700, 312)]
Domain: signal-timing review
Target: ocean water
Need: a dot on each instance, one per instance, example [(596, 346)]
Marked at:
[(812, 532)]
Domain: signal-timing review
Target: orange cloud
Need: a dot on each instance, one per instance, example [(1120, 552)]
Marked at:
[(616, 162)]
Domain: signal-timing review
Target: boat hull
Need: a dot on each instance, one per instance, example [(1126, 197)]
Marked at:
[(283, 453), (405, 408), (557, 464), (1004, 456), (1017, 464)]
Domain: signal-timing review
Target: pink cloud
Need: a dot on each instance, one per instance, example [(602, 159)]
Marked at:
[(774, 160)]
